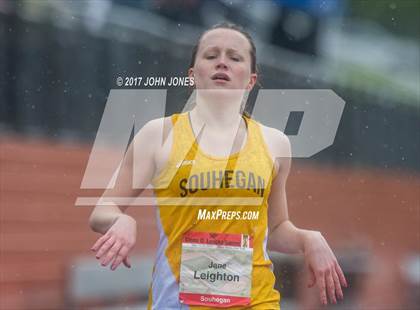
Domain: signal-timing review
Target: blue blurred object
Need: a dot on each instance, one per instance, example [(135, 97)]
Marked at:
[(315, 7)]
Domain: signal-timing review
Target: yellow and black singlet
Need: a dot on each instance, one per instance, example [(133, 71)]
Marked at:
[(212, 221)]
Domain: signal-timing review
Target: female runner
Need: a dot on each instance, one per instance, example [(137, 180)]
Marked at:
[(220, 180)]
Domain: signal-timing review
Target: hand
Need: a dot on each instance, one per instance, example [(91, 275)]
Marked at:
[(324, 269), (117, 242)]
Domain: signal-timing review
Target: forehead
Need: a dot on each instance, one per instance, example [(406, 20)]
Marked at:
[(225, 38)]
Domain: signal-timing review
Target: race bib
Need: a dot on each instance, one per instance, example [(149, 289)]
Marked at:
[(216, 269)]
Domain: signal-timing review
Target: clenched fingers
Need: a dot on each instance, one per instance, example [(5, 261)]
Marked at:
[(340, 274), (105, 247), (100, 241), (122, 254), (330, 286), (322, 288), (338, 290), (126, 262), (111, 253)]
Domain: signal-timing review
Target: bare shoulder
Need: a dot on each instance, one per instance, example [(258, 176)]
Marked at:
[(157, 125), (277, 141), (153, 133), (155, 128)]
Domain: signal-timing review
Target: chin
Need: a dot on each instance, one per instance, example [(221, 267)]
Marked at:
[(221, 93)]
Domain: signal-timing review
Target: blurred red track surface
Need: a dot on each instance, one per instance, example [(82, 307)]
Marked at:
[(42, 230)]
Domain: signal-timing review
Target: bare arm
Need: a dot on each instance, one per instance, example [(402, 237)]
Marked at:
[(285, 237), (119, 230), (103, 216)]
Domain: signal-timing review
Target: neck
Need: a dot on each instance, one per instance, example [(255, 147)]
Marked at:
[(218, 110)]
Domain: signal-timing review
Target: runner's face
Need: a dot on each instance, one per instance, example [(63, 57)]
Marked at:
[(223, 61)]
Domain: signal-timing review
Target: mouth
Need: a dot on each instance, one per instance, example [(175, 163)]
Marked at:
[(220, 77)]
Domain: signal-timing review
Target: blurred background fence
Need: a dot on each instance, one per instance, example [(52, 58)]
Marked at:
[(60, 61)]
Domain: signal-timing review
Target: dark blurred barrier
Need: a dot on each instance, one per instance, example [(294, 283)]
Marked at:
[(57, 80)]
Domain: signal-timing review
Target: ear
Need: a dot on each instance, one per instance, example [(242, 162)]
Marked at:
[(191, 72), (252, 81)]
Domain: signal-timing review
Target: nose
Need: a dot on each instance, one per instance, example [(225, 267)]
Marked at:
[(221, 63)]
